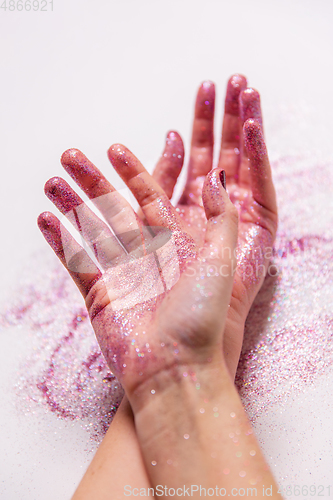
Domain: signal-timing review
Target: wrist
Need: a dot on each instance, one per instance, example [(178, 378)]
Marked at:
[(186, 383)]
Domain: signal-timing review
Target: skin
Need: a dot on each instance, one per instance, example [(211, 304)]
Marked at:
[(250, 189)]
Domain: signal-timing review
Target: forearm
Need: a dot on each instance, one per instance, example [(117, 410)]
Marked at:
[(118, 462), (196, 433)]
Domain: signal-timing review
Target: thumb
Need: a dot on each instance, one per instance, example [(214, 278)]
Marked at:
[(222, 221)]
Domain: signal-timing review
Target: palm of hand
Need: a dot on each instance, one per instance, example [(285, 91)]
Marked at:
[(155, 311)]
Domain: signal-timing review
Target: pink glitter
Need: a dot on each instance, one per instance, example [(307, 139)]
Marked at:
[(288, 339)]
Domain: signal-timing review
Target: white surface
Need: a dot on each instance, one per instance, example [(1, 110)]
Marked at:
[(90, 74)]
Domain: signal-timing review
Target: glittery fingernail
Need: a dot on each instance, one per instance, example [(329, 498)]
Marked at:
[(223, 179)]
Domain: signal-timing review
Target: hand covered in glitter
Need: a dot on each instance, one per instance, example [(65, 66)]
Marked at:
[(157, 299), (244, 158)]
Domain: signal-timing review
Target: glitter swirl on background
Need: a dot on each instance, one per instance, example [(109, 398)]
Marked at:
[(288, 337)]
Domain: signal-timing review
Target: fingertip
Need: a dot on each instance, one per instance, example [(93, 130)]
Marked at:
[(208, 86), (62, 195), (236, 84), (249, 94), (70, 156), (173, 135), (205, 102), (45, 221), (175, 143), (124, 161), (251, 124), (213, 193), (221, 213), (250, 106), (254, 139), (52, 185), (117, 152)]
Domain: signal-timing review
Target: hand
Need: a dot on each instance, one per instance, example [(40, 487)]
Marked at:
[(243, 156), (148, 318), (190, 209)]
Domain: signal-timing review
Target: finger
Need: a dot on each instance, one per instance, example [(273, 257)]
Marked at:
[(222, 220), (170, 164), (230, 141), (152, 199), (117, 212), (96, 233), (260, 171), (249, 103), (250, 107), (79, 265), (202, 144)]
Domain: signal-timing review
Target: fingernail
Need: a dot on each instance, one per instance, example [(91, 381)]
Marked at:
[(223, 179)]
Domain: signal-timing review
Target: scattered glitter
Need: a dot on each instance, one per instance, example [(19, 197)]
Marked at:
[(154, 462), (252, 453), (232, 414), (242, 473), (153, 391), (65, 372), (186, 436), (202, 410), (238, 454), (226, 471), (289, 331)]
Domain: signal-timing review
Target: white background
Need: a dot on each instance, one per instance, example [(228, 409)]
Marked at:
[(90, 74)]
